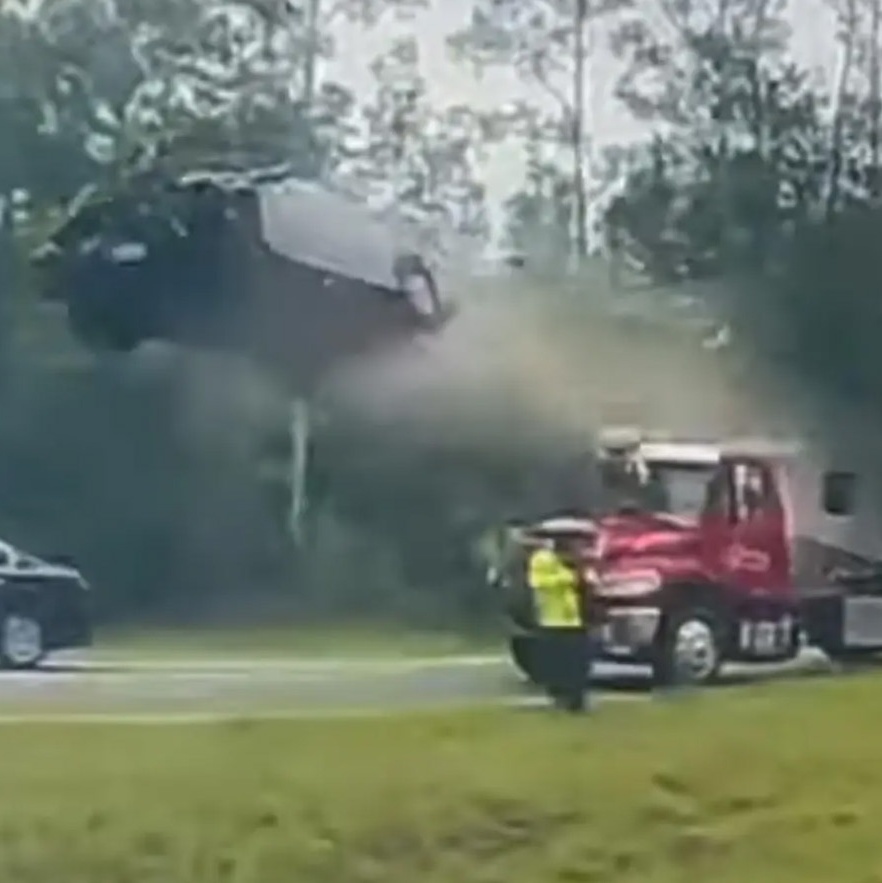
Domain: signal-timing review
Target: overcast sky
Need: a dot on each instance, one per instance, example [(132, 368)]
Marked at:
[(609, 123)]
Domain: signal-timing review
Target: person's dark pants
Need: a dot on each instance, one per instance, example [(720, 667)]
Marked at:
[(566, 661)]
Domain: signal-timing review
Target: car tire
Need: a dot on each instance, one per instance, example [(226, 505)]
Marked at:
[(22, 644), (689, 651)]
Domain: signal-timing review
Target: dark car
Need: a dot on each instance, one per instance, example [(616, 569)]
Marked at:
[(298, 276), (44, 607)]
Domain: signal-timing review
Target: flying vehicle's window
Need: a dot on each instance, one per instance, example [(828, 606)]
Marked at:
[(241, 211), (128, 252)]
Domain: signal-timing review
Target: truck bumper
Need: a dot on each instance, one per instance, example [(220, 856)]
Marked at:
[(628, 634)]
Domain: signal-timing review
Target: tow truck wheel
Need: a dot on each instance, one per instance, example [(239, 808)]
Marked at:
[(689, 651), (21, 640)]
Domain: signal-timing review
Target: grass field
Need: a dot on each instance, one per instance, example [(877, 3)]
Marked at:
[(778, 783), (280, 642)]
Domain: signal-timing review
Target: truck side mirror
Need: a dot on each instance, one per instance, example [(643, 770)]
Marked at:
[(839, 492)]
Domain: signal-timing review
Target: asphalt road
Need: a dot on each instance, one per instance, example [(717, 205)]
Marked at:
[(164, 691)]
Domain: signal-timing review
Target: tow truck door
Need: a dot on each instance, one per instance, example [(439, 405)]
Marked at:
[(756, 555), (744, 540)]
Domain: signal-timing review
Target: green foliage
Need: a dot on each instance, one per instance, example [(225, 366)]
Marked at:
[(743, 161), (414, 158), (765, 181), (545, 42)]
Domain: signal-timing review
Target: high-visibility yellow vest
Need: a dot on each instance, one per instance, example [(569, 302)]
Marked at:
[(556, 591)]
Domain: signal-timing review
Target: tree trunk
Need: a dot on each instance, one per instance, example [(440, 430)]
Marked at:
[(875, 109), (311, 54), (578, 134), (835, 168)]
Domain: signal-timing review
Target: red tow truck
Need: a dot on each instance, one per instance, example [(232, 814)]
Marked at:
[(752, 554)]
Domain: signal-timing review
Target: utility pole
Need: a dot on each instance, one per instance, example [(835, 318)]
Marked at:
[(299, 427)]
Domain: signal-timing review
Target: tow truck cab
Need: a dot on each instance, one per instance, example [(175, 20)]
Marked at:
[(720, 568)]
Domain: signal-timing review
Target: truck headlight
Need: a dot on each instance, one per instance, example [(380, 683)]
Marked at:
[(629, 584)]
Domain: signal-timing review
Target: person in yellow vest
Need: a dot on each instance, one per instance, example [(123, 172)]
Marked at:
[(560, 600)]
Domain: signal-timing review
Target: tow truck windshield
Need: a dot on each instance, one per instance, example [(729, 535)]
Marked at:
[(679, 489)]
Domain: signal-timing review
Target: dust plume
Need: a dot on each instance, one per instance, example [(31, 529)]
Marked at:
[(530, 362)]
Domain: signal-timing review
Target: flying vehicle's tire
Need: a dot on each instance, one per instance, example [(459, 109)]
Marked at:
[(22, 646), (98, 333), (420, 289), (689, 650)]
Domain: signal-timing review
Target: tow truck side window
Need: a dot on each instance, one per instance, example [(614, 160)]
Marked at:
[(718, 501), (754, 490)]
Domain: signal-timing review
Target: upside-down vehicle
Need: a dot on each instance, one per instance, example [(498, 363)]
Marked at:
[(294, 275)]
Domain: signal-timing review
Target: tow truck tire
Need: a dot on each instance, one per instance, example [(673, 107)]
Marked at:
[(689, 649), (22, 646)]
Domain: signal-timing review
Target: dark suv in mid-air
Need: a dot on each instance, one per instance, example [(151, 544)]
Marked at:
[(294, 274)]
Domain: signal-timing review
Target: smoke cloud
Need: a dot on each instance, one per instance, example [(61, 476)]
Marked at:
[(531, 362)]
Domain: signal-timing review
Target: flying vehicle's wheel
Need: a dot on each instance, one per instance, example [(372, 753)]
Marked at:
[(420, 289), (97, 331)]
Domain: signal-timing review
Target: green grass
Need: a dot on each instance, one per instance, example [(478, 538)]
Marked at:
[(778, 783), (286, 642)]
